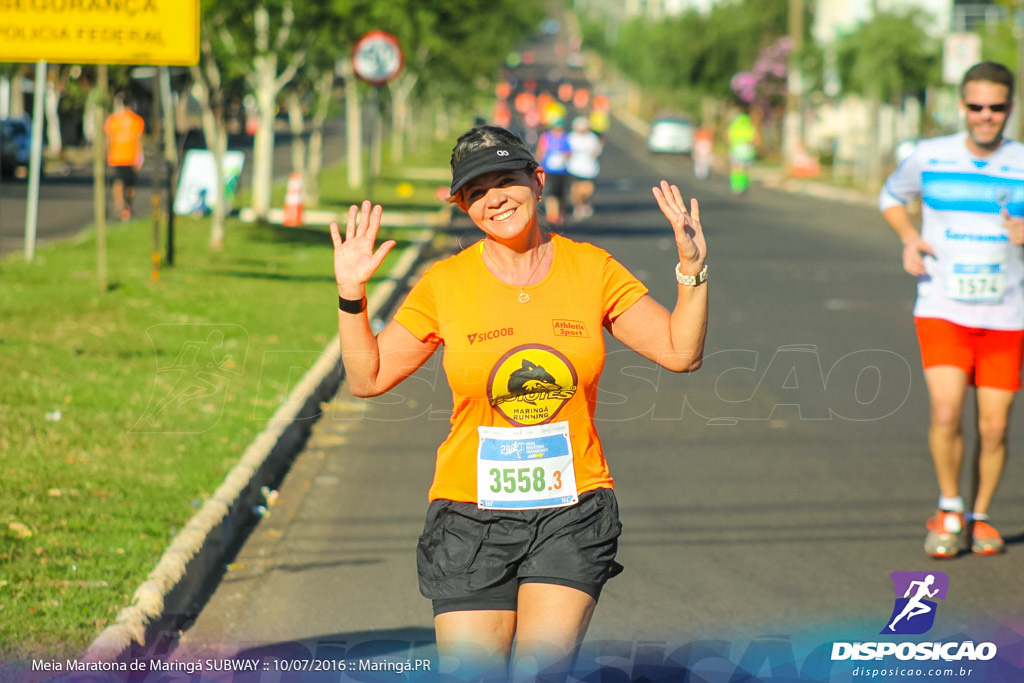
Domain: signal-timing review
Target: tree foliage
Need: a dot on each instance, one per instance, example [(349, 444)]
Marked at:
[(284, 52), (889, 56), (692, 55), (999, 42)]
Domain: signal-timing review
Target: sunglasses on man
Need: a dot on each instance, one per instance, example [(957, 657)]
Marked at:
[(998, 108)]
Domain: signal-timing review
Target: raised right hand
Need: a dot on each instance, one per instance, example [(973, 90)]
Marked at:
[(355, 259)]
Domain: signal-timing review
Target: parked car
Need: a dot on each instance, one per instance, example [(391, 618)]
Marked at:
[(671, 134), (15, 142), (8, 151)]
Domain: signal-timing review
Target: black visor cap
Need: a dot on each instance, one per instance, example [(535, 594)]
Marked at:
[(486, 160)]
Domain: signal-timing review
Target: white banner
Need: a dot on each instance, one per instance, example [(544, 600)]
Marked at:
[(197, 191)]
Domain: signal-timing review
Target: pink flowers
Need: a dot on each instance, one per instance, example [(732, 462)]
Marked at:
[(768, 77)]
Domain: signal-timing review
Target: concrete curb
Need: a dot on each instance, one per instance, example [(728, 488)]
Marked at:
[(180, 581), (390, 219)]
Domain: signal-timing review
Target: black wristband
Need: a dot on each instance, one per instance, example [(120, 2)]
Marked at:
[(351, 305)]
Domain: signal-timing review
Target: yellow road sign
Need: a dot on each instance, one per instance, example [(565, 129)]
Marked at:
[(160, 32)]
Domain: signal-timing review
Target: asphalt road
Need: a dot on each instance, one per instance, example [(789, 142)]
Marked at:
[(766, 499)]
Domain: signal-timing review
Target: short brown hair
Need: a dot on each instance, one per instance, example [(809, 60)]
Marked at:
[(992, 72)]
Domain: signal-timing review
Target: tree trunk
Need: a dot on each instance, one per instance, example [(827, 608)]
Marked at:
[(181, 117), (18, 96), (53, 138), (874, 160), (215, 131), (297, 125), (217, 141), (353, 128), (401, 90), (263, 143), (88, 122), (442, 123), (315, 157)]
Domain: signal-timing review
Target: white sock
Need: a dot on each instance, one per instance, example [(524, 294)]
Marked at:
[(954, 504), (977, 516)]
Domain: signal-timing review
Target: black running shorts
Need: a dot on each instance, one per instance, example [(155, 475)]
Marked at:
[(126, 174), (472, 559)]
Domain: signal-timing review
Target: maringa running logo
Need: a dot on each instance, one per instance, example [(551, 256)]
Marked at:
[(530, 384), (914, 610)]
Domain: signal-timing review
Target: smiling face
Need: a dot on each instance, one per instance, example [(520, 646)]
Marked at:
[(985, 127), (504, 203)]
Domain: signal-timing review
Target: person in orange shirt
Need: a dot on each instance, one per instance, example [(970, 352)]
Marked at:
[(124, 129), (522, 525), (703, 152)]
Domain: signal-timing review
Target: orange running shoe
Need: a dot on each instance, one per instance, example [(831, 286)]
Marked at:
[(985, 540), (943, 538)]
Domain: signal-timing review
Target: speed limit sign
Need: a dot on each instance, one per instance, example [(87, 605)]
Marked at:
[(377, 57)]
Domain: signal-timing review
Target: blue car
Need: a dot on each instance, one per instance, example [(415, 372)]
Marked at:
[(15, 142)]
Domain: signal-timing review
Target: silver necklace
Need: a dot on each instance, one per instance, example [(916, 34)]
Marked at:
[(523, 296)]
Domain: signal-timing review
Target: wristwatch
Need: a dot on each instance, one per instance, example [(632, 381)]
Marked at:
[(692, 280)]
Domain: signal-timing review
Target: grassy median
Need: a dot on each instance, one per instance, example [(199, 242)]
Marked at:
[(121, 412)]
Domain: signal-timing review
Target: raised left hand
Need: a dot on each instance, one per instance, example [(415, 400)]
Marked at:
[(686, 226)]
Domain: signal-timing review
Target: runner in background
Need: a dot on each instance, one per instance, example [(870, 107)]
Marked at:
[(124, 129), (703, 152), (741, 136), (553, 153), (600, 115), (969, 312), (584, 149)]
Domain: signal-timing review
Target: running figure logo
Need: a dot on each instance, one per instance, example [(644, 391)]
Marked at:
[(195, 366), (914, 612)]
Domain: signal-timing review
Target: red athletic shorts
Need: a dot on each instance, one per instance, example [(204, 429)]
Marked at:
[(991, 358)]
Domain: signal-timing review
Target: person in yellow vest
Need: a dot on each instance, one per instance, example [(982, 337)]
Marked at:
[(599, 121), (124, 129), (522, 525), (741, 136), (600, 115)]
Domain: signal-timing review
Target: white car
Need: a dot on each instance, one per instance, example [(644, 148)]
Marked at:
[(671, 134)]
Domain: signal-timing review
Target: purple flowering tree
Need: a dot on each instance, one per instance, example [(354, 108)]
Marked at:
[(764, 87)]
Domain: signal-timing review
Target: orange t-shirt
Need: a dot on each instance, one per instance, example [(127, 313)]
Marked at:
[(512, 364), (123, 129)]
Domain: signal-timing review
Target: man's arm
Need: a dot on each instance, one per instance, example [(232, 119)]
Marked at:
[(914, 246)]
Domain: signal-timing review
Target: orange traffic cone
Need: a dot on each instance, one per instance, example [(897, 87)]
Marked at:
[(293, 201)]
